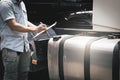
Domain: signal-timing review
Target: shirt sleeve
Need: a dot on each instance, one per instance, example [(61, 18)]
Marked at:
[(6, 11)]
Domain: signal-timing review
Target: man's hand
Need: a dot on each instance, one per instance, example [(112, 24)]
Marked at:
[(34, 62), (41, 27)]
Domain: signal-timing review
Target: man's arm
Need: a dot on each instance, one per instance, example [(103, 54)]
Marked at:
[(21, 28)]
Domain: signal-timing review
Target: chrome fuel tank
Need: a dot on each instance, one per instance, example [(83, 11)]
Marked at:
[(83, 58), (104, 59)]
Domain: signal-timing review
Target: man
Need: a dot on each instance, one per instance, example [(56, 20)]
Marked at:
[(14, 28)]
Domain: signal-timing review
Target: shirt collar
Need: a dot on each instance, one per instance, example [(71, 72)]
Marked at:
[(16, 2)]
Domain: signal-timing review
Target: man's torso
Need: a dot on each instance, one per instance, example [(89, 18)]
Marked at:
[(12, 39)]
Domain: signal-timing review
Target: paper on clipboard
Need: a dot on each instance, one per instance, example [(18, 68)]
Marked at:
[(44, 30)]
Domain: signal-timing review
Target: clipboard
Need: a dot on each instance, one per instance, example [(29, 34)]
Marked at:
[(44, 30)]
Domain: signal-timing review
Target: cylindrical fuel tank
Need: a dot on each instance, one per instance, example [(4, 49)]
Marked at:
[(104, 59), (83, 58)]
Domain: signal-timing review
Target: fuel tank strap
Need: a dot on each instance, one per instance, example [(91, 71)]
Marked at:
[(87, 57), (60, 57), (116, 62)]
